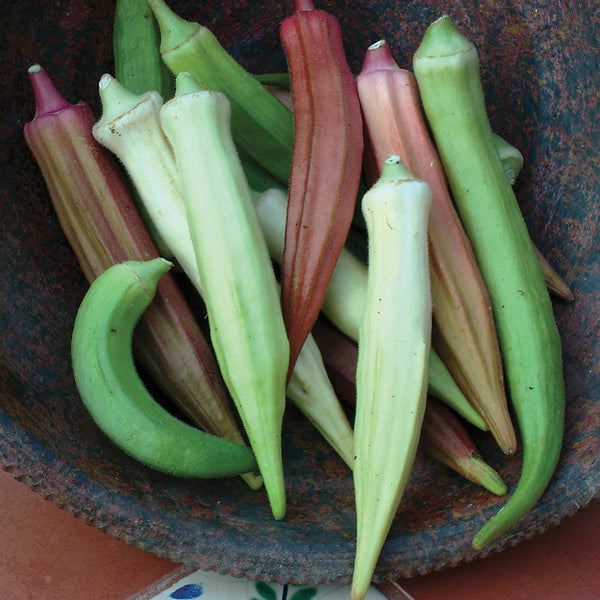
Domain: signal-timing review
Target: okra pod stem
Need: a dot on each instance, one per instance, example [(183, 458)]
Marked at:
[(262, 127), (510, 157), (446, 65)]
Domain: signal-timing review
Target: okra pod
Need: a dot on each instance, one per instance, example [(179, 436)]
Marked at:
[(344, 300), (446, 65), (116, 396), (464, 331), (393, 354), (326, 164), (130, 128), (239, 287), (262, 127), (136, 48)]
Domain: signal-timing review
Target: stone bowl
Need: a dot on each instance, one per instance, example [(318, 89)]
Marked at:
[(541, 79)]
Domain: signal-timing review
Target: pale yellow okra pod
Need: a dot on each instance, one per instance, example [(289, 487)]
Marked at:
[(236, 274), (393, 355)]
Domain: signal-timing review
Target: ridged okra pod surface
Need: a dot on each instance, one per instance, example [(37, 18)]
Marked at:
[(236, 274), (393, 355), (447, 69)]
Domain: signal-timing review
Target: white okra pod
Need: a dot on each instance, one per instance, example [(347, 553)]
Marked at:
[(345, 299), (311, 391), (130, 128), (236, 274), (393, 356)]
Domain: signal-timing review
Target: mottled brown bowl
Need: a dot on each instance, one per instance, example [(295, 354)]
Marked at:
[(541, 75)]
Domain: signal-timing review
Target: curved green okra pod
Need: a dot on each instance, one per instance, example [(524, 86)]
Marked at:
[(116, 397), (446, 65), (345, 299), (262, 127), (239, 287), (393, 354)]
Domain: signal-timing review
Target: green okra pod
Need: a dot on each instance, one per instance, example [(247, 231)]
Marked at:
[(116, 397), (136, 48), (262, 127), (446, 65), (239, 286)]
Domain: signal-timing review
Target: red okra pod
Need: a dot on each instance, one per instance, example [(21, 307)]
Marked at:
[(326, 164)]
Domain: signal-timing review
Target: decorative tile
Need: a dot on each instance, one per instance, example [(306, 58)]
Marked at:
[(207, 585)]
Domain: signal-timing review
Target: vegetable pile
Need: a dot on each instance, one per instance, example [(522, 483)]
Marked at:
[(355, 240)]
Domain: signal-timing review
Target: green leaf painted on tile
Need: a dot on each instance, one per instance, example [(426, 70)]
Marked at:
[(265, 590), (304, 594)]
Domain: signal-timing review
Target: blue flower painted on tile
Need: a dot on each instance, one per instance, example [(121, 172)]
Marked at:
[(190, 591)]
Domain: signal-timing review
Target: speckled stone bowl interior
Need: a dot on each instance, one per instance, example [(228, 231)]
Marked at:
[(541, 76)]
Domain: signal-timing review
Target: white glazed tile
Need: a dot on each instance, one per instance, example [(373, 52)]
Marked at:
[(207, 585)]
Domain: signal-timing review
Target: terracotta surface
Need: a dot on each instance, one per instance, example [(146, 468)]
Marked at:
[(47, 553)]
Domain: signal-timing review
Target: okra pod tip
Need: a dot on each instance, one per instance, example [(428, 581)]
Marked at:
[(174, 30), (47, 98), (117, 100), (443, 39)]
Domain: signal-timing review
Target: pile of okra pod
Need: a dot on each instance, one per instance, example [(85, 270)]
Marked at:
[(354, 238)]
